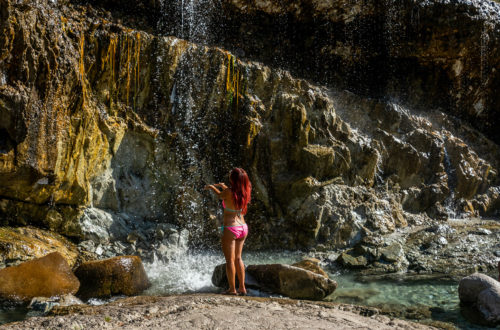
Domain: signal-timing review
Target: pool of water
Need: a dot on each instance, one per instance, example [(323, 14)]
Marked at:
[(12, 313), (192, 272)]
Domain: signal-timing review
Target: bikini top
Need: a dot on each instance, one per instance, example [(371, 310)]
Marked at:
[(238, 212)]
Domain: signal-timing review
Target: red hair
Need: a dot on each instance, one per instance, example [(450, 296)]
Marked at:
[(241, 188)]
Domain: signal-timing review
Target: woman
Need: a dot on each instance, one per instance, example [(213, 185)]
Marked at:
[(234, 230)]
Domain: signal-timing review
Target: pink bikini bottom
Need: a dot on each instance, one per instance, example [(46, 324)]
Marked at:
[(238, 231)]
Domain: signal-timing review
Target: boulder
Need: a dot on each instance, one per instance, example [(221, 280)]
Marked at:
[(219, 278), (471, 286), (118, 275), (44, 277), (27, 243), (488, 303), (480, 299), (292, 281)]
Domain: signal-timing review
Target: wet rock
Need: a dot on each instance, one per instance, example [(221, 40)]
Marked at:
[(481, 293), (44, 277), (118, 275), (26, 243), (292, 281)]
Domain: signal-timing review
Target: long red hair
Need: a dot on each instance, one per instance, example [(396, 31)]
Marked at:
[(241, 188)]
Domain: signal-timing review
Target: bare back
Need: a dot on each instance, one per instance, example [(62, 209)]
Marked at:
[(231, 218)]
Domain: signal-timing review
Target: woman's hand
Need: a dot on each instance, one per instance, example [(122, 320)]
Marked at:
[(221, 185)]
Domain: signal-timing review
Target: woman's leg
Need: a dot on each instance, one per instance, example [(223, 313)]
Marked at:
[(228, 249), (239, 265)]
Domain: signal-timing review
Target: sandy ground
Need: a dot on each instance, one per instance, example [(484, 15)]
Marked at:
[(210, 311)]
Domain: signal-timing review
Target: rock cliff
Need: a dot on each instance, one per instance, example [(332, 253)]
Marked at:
[(108, 125)]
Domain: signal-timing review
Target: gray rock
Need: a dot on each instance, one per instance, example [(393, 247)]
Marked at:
[(101, 226), (471, 286), (350, 261), (482, 231), (42, 304), (87, 246), (99, 250), (159, 234), (393, 252), (442, 241), (488, 303), (480, 297)]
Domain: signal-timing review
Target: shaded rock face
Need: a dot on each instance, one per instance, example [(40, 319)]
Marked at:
[(482, 294), (108, 128), (44, 277), (115, 276), (26, 243)]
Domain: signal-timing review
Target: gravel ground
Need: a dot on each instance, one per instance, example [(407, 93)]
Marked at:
[(210, 311)]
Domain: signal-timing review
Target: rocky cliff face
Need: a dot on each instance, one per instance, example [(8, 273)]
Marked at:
[(108, 126)]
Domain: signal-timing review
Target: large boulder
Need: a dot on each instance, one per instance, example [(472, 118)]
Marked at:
[(219, 278), (481, 294), (118, 275), (471, 286), (26, 243), (291, 281), (44, 277)]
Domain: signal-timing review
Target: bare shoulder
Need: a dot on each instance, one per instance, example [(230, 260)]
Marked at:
[(226, 192)]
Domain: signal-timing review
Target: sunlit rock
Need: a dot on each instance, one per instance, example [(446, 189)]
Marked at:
[(115, 276), (27, 243), (44, 277)]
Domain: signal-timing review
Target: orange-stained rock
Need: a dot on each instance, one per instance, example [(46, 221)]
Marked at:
[(44, 277), (118, 275)]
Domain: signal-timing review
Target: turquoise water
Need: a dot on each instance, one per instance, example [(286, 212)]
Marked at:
[(192, 272), (435, 300)]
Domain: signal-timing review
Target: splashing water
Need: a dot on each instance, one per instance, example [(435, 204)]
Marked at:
[(192, 272)]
